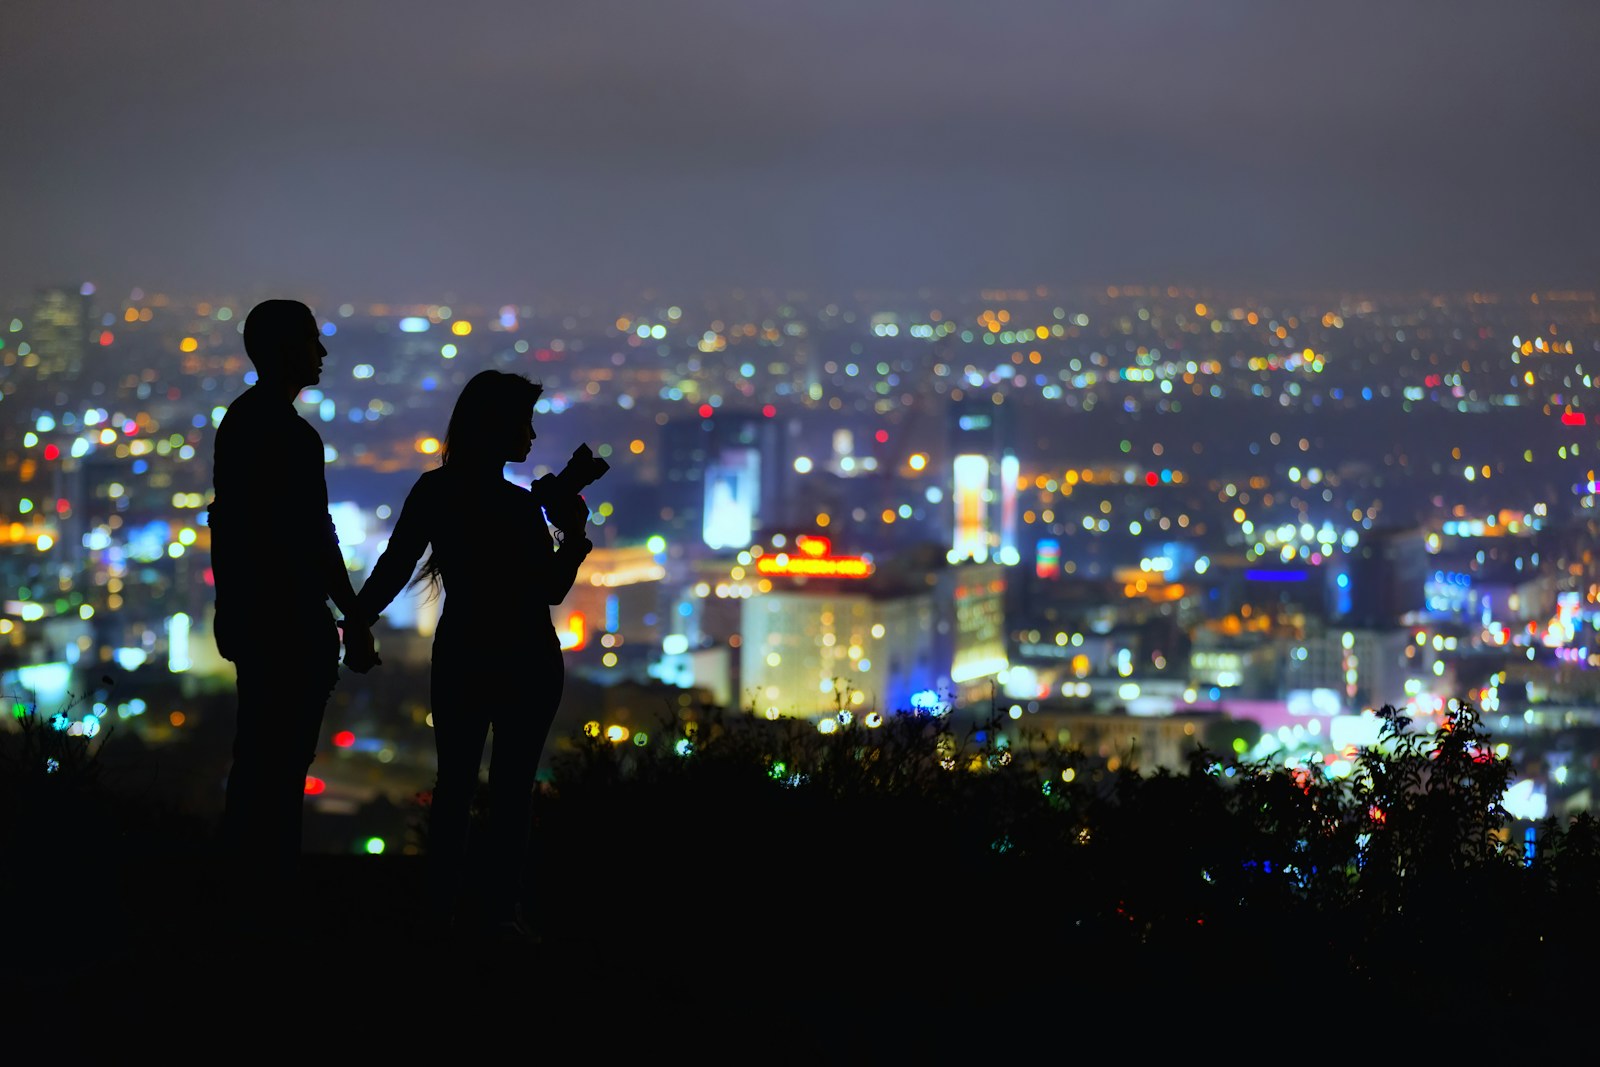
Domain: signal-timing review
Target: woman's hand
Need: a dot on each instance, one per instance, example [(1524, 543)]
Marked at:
[(568, 514)]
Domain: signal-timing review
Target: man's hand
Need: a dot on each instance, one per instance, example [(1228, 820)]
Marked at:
[(360, 647)]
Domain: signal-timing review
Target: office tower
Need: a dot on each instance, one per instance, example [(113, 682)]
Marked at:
[(983, 483), (726, 475), (59, 330)]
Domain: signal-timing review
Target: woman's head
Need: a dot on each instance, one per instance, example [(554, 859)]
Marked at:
[(492, 423)]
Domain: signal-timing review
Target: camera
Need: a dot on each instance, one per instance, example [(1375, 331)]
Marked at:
[(581, 471)]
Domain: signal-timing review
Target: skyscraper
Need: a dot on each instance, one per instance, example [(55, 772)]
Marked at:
[(983, 483), (60, 329), (726, 475)]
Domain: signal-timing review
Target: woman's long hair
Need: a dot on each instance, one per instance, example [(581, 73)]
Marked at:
[(485, 415)]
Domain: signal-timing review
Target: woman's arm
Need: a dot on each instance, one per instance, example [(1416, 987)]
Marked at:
[(561, 570), (412, 533)]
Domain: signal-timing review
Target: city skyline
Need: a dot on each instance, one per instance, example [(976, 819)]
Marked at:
[(1124, 509)]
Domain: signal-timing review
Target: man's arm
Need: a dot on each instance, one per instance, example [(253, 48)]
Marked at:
[(340, 590), (360, 648)]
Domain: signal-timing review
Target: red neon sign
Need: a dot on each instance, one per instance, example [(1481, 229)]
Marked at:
[(813, 561)]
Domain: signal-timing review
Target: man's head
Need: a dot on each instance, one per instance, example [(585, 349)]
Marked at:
[(282, 340)]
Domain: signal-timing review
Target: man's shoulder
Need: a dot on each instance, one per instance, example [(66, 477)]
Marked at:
[(252, 400), (254, 405)]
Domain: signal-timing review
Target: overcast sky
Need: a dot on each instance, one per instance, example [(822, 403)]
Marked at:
[(495, 150)]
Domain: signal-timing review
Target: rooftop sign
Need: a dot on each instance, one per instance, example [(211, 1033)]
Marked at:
[(813, 561)]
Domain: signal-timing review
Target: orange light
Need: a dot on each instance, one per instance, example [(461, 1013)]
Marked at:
[(575, 635), (815, 547)]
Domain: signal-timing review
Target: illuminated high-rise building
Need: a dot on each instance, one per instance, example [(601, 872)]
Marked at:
[(59, 331), (969, 492), (732, 496), (821, 631), (983, 485), (725, 475)]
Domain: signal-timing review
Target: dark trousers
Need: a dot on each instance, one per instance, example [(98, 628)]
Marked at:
[(471, 697), (284, 683)]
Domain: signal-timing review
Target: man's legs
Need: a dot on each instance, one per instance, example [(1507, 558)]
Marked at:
[(282, 698)]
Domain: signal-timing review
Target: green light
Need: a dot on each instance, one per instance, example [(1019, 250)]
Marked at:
[(19, 710), (1239, 745), (374, 846)]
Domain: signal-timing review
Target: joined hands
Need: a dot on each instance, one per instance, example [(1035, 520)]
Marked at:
[(360, 647)]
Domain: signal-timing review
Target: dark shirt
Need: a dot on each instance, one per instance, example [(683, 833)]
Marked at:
[(272, 541), (499, 564)]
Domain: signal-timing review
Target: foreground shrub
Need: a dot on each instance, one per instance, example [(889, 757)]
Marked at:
[(1405, 866)]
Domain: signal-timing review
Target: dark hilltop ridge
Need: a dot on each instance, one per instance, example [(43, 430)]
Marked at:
[(847, 883)]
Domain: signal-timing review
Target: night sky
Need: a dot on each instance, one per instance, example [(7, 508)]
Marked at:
[(501, 150)]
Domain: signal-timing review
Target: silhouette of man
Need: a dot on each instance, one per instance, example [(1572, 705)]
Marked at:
[(276, 562)]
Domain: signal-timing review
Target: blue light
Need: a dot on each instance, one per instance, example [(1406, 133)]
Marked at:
[(1274, 576), (329, 329), (1343, 581), (414, 324)]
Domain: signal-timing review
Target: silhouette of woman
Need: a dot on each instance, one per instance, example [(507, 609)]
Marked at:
[(496, 658)]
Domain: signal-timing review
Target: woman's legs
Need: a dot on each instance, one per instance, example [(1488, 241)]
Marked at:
[(460, 728), (522, 719)]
